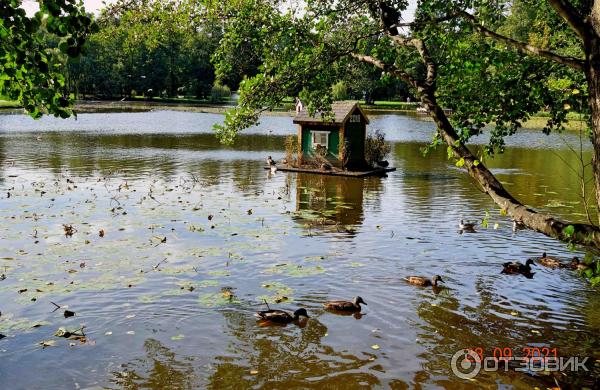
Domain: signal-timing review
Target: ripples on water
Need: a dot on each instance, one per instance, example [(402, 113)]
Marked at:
[(309, 238)]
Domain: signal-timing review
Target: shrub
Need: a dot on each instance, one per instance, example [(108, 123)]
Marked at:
[(376, 149), (340, 91), (219, 92), (291, 149)]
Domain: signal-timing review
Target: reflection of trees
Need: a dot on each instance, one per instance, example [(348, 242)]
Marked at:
[(289, 357), (450, 326), (160, 369), (332, 203)]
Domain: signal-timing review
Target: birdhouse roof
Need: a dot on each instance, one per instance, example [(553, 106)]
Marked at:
[(341, 114)]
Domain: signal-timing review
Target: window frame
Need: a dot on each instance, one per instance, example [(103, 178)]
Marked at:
[(314, 144)]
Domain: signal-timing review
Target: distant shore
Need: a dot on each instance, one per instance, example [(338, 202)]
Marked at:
[(193, 105)]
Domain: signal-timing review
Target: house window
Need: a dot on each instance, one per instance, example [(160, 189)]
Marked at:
[(355, 118), (320, 138)]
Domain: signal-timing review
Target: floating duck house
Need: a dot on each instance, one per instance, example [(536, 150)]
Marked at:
[(340, 138)]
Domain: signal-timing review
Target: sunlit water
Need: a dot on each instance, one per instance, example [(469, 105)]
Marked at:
[(197, 235)]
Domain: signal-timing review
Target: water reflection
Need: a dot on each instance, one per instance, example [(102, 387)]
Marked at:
[(159, 369), (334, 204), (306, 237), (309, 362)]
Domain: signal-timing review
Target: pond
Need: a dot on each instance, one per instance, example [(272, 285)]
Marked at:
[(175, 241)]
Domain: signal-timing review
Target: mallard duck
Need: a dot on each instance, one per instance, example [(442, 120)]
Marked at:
[(270, 161), (517, 268), (549, 262), (576, 264), (518, 225), (280, 316), (467, 226), (423, 281), (346, 306)]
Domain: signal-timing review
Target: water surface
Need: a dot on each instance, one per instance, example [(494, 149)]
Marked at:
[(197, 235)]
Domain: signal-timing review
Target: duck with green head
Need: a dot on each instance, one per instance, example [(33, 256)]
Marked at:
[(345, 306), (518, 268), (280, 316)]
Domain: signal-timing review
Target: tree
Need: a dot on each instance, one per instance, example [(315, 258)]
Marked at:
[(31, 51), (445, 39), (148, 48)]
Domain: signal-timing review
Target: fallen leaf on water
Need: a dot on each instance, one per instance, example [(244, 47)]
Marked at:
[(253, 372), (108, 334), (514, 313), (69, 313), (101, 233), (130, 332), (375, 346), (178, 337), (47, 343)]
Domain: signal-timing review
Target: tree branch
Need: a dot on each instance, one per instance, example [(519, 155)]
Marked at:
[(392, 70), (570, 14), (525, 48)]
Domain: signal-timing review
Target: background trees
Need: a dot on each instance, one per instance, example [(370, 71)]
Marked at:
[(32, 50), (149, 48), (469, 55)]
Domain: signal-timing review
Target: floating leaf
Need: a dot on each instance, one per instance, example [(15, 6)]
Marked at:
[(178, 337)]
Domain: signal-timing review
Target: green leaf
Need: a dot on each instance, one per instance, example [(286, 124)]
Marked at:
[(569, 230)]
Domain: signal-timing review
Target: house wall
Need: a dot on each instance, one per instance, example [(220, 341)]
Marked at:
[(355, 134), (334, 141)]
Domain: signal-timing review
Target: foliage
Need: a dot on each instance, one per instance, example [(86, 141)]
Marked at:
[(152, 48), (219, 92), (291, 149), (32, 50), (376, 148), (340, 91)]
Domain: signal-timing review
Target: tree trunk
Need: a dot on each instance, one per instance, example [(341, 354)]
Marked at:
[(592, 74), (582, 233)]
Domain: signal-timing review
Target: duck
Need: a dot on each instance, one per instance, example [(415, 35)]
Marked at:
[(576, 264), (518, 225), (518, 268), (280, 316), (270, 161), (345, 306), (549, 262), (467, 226), (423, 281)]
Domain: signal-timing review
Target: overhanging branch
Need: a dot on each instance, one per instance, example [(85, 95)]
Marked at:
[(570, 14), (523, 47), (392, 70)]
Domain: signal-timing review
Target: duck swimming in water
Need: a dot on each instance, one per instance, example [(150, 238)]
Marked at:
[(466, 226), (549, 262), (423, 281), (518, 225), (518, 268), (576, 264), (280, 316), (346, 306)]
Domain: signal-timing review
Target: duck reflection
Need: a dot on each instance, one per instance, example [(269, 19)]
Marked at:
[(292, 357), (332, 204), (159, 369)]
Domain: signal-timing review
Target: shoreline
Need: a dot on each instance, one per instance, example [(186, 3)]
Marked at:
[(106, 106)]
